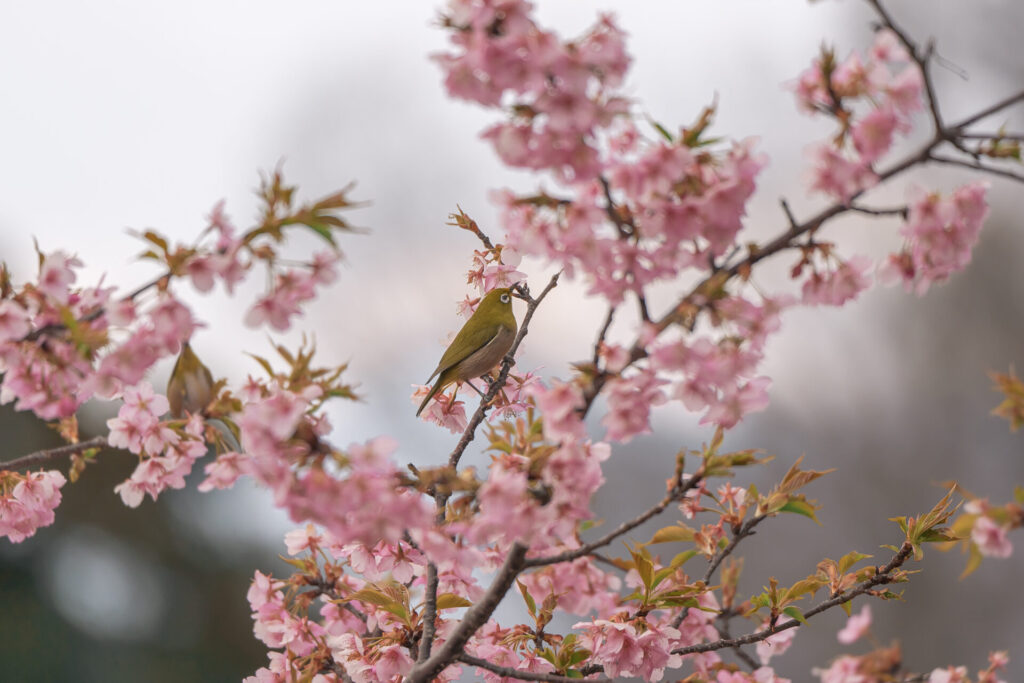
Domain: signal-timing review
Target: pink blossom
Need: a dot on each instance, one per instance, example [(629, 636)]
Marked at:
[(873, 133), (200, 268), (172, 324), (443, 409), (629, 404), (624, 650), (888, 47), (56, 275), (856, 626), (837, 287), (15, 322), (224, 471), (580, 586), (324, 266), (30, 504), (941, 234), (844, 669), (949, 675), (731, 496), (559, 407), (991, 538), (905, 90), (765, 674), (835, 175), (300, 540)]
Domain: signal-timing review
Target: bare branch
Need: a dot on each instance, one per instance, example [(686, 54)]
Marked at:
[(882, 576), (474, 618), (675, 494), (509, 672), (988, 111), (922, 60), (44, 456), (900, 211), (976, 165)]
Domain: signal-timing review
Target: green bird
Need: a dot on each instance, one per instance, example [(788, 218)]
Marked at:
[(190, 387), (480, 345)]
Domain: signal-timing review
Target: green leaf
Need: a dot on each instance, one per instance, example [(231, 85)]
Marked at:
[(800, 507), (450, 600), (850, 559), (680, 559), (795, 613), (676, 533), (320, 229), (531, 604), (154, 238), (661, 129)]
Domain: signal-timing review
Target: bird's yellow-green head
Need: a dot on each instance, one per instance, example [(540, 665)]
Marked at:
[(480, 345), (495, 307)]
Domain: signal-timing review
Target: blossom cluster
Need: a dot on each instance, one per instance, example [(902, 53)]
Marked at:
[(940, 234), (873, 97), (62, 344), (27, 502)]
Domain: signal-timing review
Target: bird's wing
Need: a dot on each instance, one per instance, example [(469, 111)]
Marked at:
[(465, 344)]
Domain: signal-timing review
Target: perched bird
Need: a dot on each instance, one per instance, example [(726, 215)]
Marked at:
[(480, 345), (190, 387)]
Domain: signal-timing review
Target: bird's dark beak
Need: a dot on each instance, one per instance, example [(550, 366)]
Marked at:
[(521, 291)]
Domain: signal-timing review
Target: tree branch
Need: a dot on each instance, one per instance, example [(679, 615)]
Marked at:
[(43, 457), (475, 617), (569, 555), (976, 165), (882, 576), (509, 672)]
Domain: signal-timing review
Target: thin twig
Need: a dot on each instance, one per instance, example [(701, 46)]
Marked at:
[(473, 619), (737, 650), (882, 576), (900, 211), (977, 166), (1013, 137), (922, 61), (569, 555), (509, 672), (747, 529), (603, 333), (988, 111), (44, 456)]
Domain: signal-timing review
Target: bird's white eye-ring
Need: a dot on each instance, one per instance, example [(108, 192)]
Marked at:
[(504, 298)]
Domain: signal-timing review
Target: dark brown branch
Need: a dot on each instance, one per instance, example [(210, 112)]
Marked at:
[(569, 555), (429, 616), (475, 617), (602, 334), (921, 59), (1013, 137), (988, 111), (737, 650), (43, 457), (900, 211), (746, 529), (976, 165), (882, 576), (509, 672)]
